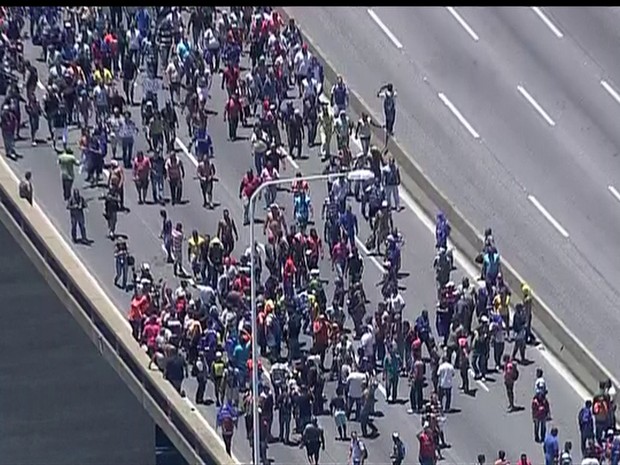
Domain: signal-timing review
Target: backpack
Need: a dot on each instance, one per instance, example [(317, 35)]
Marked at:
[(600, 409), (585, 417)]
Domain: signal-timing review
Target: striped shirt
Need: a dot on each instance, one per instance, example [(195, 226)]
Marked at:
[(177, 242)]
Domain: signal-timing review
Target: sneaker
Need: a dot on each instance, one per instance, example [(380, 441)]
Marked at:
[(34, 143), (410, 411)]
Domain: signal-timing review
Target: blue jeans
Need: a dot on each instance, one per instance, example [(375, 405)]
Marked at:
[(127, 147), (157, 186), (121, 266), (77, 221)]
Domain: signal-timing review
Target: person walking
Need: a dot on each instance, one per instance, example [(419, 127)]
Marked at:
[(76, 206), (177, 237), (67, 163), (540, 415), (445, 374)]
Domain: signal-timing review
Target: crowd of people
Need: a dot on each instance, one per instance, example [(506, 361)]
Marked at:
[(202, 327)]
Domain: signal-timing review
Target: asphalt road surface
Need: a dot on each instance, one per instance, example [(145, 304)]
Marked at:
[(481, 423), (512, 112)]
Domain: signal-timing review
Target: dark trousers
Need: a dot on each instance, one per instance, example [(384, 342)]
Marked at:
[(416, 395), (391, 388), (176, 190), (446, 393), (540, 430), (77, 221), (67, 185)]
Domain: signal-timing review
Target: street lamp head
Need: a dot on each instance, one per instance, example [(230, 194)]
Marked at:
[(360, 175)]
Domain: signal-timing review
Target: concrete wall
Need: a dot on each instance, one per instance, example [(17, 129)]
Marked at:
[(60, 401)]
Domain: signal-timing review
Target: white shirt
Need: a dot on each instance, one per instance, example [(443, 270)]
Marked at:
[(356, 384), (445, 372), (206, 293), (397, 303), (172, 71), (589, 461), (302, 62), (540, 385), (368, 342)]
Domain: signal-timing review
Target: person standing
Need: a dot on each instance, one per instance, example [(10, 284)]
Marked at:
[(398, 449), (540, 415), (110, 211), (25, 188), (388, 94), (585, 419), (313, 438), (391, 178), (175, 173), (166, 235), (177, 237), (76, 206), (175, 369), (551, 447), (511, 374), (67, 163), (416, 384), (445, 373), (121, 263), (391, 374)]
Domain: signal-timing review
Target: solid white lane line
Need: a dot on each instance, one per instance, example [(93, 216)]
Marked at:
[(463, 23), (292, 162), (613, 191), (548, 215), (536, 105), (611, 90), (384, 28), (458, 115), (548, 22), (186, 151), (372, 258)]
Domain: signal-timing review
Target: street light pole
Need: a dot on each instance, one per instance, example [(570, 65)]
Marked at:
[(356, 175)]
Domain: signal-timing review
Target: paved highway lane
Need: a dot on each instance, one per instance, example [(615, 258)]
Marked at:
[(488, 147), (471, 431)]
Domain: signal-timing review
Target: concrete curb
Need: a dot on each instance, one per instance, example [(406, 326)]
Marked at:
[(105, 326), (551, 331)]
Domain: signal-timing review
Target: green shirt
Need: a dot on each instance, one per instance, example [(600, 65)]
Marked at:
[(391, 365), (67, 162)]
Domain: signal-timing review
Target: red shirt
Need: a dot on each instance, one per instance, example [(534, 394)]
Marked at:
[(249, 185), (141, 168), (150, 332), (427, 445), (232, 108)]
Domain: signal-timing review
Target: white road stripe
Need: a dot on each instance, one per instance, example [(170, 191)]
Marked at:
[(458, 115), (611, 90), (384, 28), (463, 23), (613, 191), (536, 105), (548, 215), (548, 22), (186, 151), (292, 162), (372, 258)]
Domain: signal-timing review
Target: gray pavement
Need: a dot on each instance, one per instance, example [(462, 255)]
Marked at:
[(566, 167), (481, 425)]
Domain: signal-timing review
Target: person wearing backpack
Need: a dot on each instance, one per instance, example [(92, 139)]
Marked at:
[(585, 419), (511, 374), (398, 449), (540, 414), (600, 409)]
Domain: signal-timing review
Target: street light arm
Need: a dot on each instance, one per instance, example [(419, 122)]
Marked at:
[(353, 175)]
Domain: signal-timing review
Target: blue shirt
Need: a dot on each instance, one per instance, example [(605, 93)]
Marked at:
[(551, 447), (348, 220)]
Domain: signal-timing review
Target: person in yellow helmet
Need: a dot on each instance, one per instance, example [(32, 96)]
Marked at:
[(527, 307)]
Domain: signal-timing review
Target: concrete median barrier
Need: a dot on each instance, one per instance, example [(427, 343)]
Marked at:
[(105, 325), (551, 331)]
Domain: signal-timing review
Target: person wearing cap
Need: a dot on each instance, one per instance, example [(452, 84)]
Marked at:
[(398, 449)]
